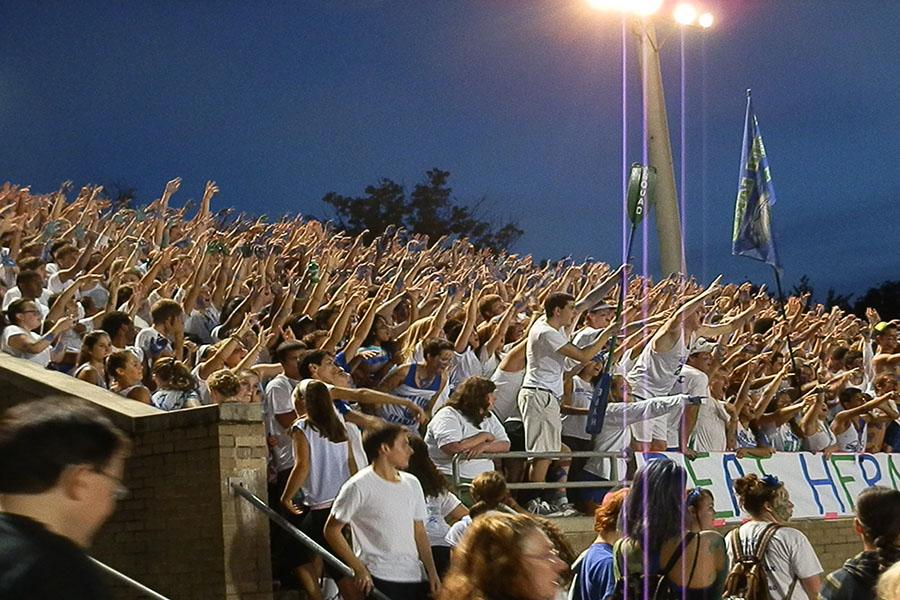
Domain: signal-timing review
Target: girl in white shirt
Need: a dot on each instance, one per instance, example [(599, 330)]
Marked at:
[(19, 337), (791, 565), (443, 507)]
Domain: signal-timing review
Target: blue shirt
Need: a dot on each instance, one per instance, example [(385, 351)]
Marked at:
[(597, 580)]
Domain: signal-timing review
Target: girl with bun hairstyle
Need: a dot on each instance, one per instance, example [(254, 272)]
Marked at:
[(877, 522), (791, 565)]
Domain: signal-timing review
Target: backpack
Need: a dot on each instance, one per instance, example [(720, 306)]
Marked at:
[(631, 586), (747, 578)]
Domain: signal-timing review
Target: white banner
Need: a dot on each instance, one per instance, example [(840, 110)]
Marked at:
[(820, 488)]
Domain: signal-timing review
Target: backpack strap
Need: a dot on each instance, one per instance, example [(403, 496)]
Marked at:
[(768, 532), (735, 535)]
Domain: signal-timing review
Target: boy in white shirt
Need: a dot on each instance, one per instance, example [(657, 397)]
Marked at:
[(385, 508)]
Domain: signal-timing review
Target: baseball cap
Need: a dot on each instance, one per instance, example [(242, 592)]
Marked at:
[(881, 326)]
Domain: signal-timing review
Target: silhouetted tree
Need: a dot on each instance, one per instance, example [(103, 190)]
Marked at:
[(885, 299), (429, 209), (842, 301)]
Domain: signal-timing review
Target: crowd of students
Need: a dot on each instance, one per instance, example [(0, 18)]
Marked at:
[(475, 352)]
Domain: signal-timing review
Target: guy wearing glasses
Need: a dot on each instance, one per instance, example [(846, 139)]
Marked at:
[(61, 468)]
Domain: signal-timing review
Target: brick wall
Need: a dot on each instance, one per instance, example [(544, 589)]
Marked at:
[(181, 531)]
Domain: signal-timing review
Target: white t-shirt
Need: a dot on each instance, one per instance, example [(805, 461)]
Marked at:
[(448, 426), (381, 515), (152, 343), (709, 433), (438, 508), (464, 365), (278, 400), (506, 404), (575, 425), (13, 294), (201, 323), (788, 555), (42, 358), (544, 364), (455, 534), (655, 373), (56, 285)]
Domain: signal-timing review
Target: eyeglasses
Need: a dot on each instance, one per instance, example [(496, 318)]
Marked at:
[(120, 492)]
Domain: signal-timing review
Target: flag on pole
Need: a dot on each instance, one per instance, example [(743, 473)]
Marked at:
[(752, 233)]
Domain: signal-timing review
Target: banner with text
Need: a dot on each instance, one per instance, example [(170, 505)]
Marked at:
[(820, 487)]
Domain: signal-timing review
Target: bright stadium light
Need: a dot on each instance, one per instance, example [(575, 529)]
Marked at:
[(641, 7), (685, 14), (706, 20), (645, 7)]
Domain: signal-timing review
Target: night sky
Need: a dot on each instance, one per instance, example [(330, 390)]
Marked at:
[(520, 100)]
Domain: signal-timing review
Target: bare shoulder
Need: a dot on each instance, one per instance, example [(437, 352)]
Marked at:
[(713, 540)]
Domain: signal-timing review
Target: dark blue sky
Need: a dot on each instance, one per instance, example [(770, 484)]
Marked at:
[(520, 100)]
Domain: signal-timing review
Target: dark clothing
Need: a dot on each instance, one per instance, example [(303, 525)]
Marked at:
[(854, 581), (37, 564), (402, 591)]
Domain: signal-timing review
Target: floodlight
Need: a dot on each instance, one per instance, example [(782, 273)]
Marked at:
[(685, 14), (706, 20)]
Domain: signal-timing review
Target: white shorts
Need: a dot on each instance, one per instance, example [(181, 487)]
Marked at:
[(542, 420), (649, 430)]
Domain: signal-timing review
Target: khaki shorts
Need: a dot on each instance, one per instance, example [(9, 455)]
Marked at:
[(542, 420)]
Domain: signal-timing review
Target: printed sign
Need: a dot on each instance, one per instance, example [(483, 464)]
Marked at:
[(820, 488)]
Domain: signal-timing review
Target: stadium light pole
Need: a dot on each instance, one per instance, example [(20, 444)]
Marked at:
[(659, 145)]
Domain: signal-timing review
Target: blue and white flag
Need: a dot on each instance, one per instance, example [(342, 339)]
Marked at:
[(752, 233)]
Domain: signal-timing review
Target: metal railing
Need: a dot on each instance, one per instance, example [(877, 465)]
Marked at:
[(239, 490), (613, 457), (128, 580)]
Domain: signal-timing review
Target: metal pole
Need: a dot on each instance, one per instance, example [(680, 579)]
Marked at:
[(787, 333), (128, 580), (668, 221), (304, 539)]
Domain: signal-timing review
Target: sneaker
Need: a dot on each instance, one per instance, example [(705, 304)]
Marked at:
[(538, 507), (565, 509)]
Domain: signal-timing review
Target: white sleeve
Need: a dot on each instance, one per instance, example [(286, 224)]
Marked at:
[(804, 562), (454, 536), (496, 429), (445, 427), (347, 502), (555, 339), (448, 503), (641, 410), (280, 399)]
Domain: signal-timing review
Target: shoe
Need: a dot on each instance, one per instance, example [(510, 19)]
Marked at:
[(538, 507), (566, 509)]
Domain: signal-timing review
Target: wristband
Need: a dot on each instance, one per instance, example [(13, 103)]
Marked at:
[(48, 337)]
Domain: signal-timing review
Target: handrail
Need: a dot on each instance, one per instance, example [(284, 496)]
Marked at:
[(128, 580), (537, 485), (238, 488)]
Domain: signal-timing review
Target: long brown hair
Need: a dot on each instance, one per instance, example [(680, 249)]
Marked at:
[(320, 413), (471, 399), (490, 560), (420, 465)]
